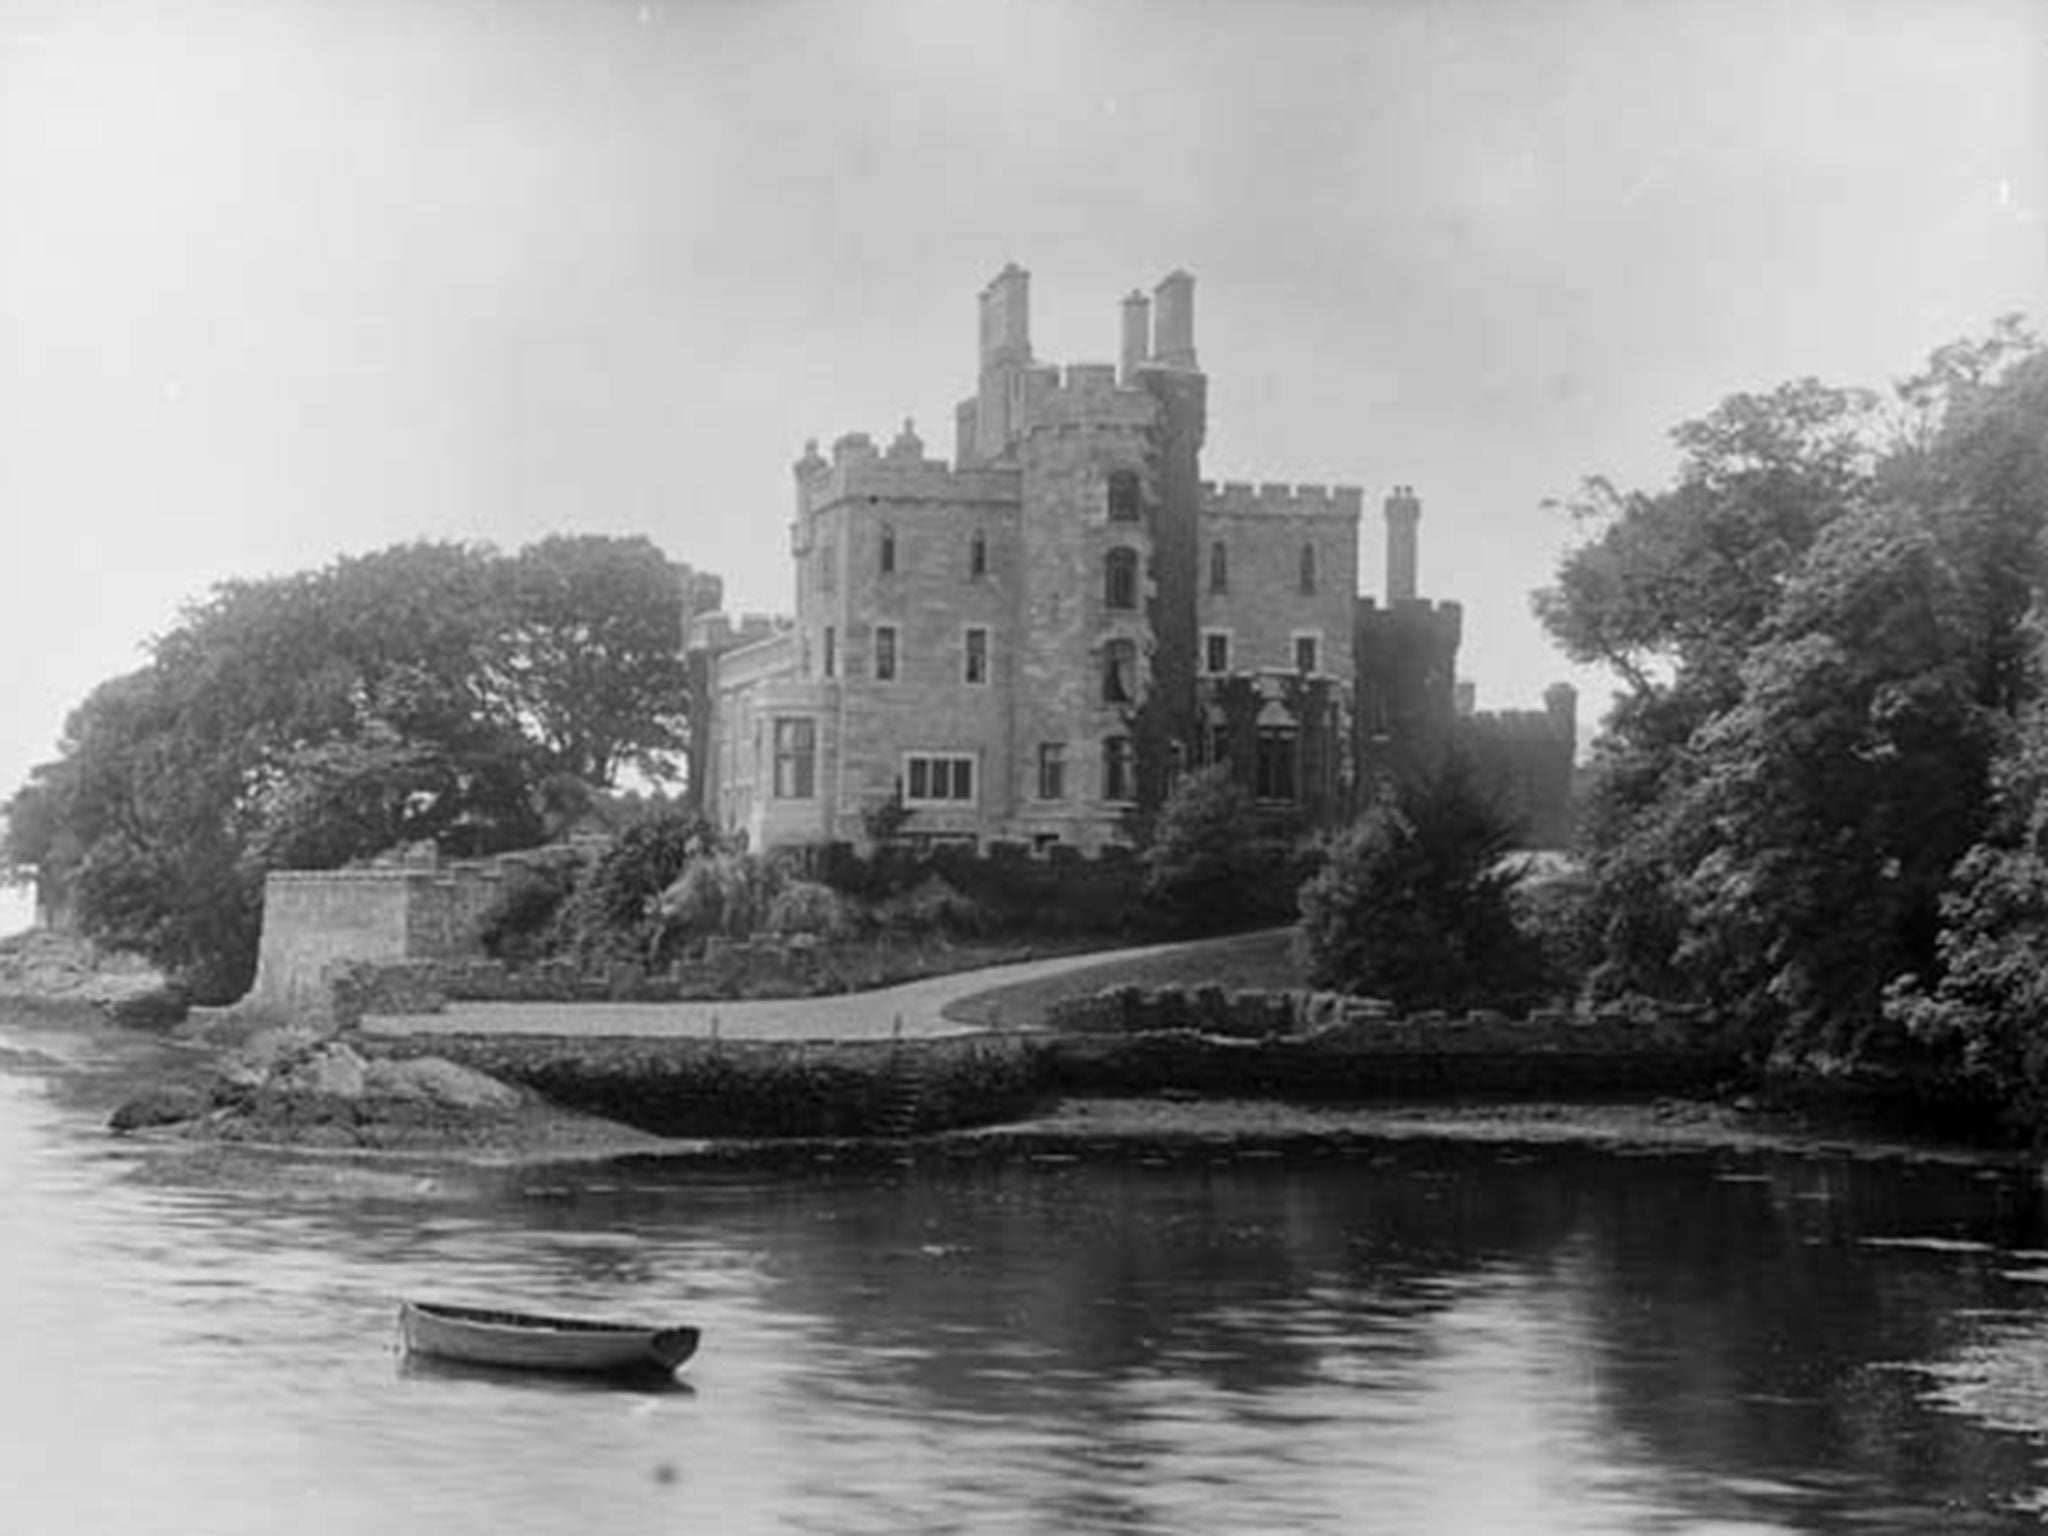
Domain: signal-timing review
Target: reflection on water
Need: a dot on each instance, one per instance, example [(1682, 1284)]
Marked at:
[(1431, 1338)]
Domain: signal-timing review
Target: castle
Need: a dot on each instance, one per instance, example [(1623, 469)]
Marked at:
[(1032, 643)]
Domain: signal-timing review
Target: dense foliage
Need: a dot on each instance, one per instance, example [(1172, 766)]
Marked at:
[(437, 693), (1212, 863), (1823, 631), (1415, 903)]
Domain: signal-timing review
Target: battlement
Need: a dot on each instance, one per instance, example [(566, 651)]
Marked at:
[(1083, 394), (1239, 498), (718, 633), (858, 470)]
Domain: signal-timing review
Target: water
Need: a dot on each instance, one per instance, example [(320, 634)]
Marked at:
[(1433, 1337)]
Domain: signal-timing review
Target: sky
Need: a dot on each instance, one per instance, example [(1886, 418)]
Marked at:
[(282, 280)]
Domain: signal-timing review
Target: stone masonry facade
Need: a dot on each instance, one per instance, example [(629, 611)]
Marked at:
[(1032, 642)]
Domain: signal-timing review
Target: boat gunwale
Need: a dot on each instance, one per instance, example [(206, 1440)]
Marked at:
[(468, 1331)]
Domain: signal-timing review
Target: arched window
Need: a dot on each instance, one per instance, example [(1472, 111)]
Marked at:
[(1219, 567), (1123, 496), (888, 554), (1120, 578), (1120, 672), (1308, 568), (977, 556)]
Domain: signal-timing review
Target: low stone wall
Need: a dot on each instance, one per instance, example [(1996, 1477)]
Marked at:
[(726, 971), (1329, 1047), (693, 1088)]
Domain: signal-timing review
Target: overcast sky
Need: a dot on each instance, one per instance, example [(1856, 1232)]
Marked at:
[(288, 279)]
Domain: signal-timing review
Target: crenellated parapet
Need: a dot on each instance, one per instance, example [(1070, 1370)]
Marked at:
[(859, 470), (1083, 395), (1237, 498), (1417, 617)]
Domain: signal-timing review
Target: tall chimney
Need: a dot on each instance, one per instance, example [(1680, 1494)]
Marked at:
[(1404, 514), (1006, 317), (1137, 335), (1173, 330)]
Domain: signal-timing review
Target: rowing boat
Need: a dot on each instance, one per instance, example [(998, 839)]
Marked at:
[(531, 1341)]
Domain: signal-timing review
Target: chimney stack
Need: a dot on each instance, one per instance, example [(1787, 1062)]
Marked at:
[(1173, 329), (1404, 514), (1006, 317), (1137, 335)]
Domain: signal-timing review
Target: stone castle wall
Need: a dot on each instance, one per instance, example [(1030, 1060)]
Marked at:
[(318, 922)]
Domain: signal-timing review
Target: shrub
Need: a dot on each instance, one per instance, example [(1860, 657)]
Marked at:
[(727, 894), (613, 914), (520, 923), (1557, 915), (934, 906), (1413, 904), (1212, 863), (804, 906)]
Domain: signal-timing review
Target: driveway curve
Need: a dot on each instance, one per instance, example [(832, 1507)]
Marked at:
[(916, 1010)]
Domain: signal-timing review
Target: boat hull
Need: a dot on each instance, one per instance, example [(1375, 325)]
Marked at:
[(535, 1342)]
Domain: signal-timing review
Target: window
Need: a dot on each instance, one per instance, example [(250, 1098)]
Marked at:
[(1273, 771), (1305, 648), (938, 779), (885, 653), (1124, 501), (1120, 672), (831, 651), (888, 551), (796, 758), (1052, 770), (828, 567), (1219, 567), (977, 556), (1215, 652), (1308, 568), (1119, 769), (977, 656), (1120, 578)]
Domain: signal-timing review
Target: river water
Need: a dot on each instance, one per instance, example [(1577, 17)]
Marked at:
[(1423, 1337)]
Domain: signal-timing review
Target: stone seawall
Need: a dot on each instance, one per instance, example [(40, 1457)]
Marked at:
[(1306, 1047), (760, 1088)]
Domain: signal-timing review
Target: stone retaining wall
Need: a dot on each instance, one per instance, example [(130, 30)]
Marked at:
[(758, 1088), (726, 971)]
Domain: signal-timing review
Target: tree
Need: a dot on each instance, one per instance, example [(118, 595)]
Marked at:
[(1823, 634), (1414, 903), (593, 668), (423, 693), (1210, 863)]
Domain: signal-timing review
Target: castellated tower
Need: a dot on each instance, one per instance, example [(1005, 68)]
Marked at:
[(1029, 643), (1407, 658)]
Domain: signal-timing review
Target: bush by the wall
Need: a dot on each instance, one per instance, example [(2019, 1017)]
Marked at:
[(520, 923)]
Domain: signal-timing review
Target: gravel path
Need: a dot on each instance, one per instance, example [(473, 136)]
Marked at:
[(917, 1008)]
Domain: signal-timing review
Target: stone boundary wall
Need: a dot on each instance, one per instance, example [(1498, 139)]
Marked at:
[(760, 1088), (727, 971)]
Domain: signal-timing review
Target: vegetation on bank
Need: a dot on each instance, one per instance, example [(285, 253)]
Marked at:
[(442, 693), (1818, 800)]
